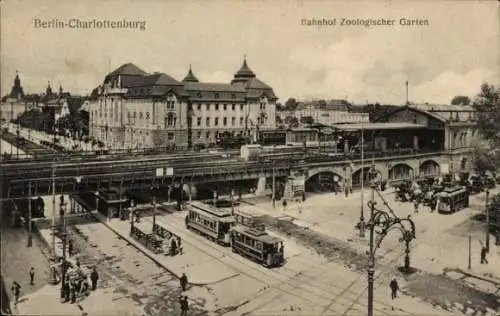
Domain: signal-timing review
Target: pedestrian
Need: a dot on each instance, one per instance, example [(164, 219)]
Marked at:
[(32, 276), (173, 247), (184, 305), (67, 290), (70, 247), (394, 288), (415, 204), (184, 281), (284, 205), (179, 245), (484, 252), (16, 290), (73, 291), (94, 276)]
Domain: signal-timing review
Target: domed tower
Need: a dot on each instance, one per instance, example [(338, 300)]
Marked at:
[(190, 77), (17, 90), (244, 74)]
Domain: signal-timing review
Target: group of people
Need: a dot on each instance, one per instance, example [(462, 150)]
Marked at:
[(172, 245), (76, 283)]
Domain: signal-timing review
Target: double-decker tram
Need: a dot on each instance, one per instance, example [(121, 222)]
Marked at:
[(210, 222), (453, 199), (252, 241)]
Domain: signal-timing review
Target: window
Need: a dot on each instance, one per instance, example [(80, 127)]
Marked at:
[(170, 137), (233, 107), (217, 107), (207, 121), (147, 116), (208, 107), (216, 95), (170, 105), (262, 106), (198, 107), (233, 121), (241, 121), (198, 135), (198, 121), (241, 107), (170, 120), (208, 135), (225, 107), (233, 96), (216, 123), (224, 121), (129, 118)]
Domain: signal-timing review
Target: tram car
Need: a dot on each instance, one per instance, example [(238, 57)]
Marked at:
[(252, 241), (453, 199), (211, 222)]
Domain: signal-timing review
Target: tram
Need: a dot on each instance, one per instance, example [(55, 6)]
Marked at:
[(255, 243), (210, 222), (453, 199)]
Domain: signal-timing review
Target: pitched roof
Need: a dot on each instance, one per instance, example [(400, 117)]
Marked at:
[(213, 87), (157, 79), (255, 83), (128, 69)]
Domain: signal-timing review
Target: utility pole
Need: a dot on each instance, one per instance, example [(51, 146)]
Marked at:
[(274, 185), (371, 255), (154, 211), (487, 242), (53, 279), (30, 236), (232, 201), (470, 254)]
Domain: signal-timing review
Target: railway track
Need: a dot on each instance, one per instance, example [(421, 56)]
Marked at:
[(299, 284)]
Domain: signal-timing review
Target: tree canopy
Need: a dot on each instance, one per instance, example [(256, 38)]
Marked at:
[(461, 100), (487, 103), (307, 120), (291, 104)]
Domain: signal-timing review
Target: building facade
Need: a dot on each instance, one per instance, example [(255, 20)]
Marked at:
[(458, 125), (134, 109)]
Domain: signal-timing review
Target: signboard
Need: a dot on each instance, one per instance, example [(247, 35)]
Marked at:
[(159, 172), (169, 171), (445, 168)]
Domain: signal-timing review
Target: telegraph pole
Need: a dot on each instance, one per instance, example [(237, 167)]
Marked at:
[(30, 236), (154, 211), (274, 185), (371, 255), (53, 279), (232, 201)]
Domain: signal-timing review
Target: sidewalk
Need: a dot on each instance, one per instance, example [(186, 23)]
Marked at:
[(200, 266), (46, 301)]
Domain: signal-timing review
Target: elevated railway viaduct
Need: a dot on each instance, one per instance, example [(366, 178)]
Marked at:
[(198, 170)]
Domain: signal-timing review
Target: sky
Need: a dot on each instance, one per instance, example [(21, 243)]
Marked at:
[(453, 55)]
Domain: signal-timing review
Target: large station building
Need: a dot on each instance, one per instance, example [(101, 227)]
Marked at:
[(135, 109)]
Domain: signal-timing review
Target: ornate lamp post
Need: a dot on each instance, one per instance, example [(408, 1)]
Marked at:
[(17, 141), (487, 233), (362, 224), (380, 224)]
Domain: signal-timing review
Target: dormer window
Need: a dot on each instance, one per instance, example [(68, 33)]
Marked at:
[(216, 95)]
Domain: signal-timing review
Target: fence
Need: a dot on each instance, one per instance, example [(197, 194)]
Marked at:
[(150, 241)]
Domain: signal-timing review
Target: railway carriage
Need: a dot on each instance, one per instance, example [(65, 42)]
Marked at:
[(210, 222), (453, 199), (256, 244)]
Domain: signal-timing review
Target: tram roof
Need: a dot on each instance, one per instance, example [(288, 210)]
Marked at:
[(210, 210), (377, 126), (264, 237)]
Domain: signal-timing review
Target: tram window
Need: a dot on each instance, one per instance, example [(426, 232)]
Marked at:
[(258, 245)]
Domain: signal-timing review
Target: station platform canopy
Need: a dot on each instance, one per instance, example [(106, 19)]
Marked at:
[(377, 126)]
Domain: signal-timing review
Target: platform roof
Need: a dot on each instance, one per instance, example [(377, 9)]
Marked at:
[(378, 126)]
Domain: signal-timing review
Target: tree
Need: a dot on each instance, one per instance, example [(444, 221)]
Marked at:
[(461, 100), (291, 121), (306, 120), (279, 107), (487, 103), (484, 160), (291, 104)]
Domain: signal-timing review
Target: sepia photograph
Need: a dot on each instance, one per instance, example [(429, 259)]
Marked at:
[(250, 158)]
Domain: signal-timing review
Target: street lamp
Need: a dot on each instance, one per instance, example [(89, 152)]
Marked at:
[(487, 209), (361, 216), (17, 141), (232, 202), (381, 223)]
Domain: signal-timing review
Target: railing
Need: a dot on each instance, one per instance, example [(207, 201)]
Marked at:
[(163, 232), (150, 241)]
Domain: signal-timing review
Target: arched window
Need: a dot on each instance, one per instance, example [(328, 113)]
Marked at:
[(147, 116), (170, 120)]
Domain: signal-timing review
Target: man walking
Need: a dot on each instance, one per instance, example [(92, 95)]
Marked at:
[(184, 281), (394, 288), (16, 290), (32, 276), (184, 305), (94, 276), (415, 204), (484, 252)]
